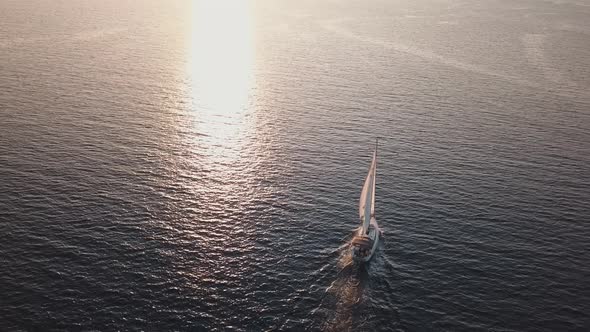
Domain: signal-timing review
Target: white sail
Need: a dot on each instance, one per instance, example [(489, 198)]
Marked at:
[(364, 193), (367, 199), (366, 240)]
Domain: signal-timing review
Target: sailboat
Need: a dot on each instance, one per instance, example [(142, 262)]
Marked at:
[(366, 237)]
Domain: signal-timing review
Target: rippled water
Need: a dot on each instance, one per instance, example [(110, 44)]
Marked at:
[(197, 165)]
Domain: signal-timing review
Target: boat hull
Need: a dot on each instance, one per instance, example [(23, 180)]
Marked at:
[(360, 242)]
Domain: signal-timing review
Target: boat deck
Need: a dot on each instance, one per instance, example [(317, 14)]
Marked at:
[(362, 241)]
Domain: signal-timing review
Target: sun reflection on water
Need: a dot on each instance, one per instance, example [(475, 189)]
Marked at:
[(221, 139), (221, 71)]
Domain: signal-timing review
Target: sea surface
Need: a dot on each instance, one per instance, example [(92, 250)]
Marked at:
[(196, 165)]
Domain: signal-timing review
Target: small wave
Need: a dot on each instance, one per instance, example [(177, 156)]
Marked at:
[(16, 41), (86, 35), (96, 34)]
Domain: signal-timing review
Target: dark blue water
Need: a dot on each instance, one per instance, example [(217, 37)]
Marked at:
[(197, 165)]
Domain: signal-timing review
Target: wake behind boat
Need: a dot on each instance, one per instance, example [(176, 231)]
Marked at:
[(366, 238)]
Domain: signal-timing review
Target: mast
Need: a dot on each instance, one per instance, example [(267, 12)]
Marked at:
[(374, 165)]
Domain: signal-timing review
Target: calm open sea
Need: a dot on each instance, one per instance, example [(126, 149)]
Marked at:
[(196, 165)]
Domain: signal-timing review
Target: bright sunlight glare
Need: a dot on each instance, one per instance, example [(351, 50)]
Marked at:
[(221, 72)]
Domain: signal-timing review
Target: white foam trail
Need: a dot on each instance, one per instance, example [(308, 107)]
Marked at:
[(573, 28), (334, 26), (571, 3), (347, 289), (533, 46)]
